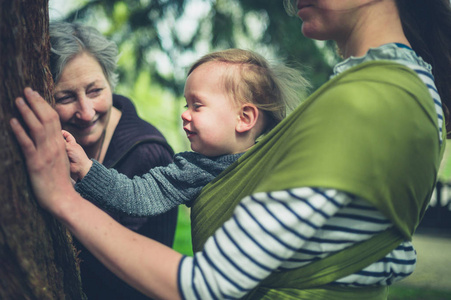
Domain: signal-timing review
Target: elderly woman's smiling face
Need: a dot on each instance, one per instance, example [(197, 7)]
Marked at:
[(83, 99)]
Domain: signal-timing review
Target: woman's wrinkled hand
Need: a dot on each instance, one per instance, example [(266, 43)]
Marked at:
[(44, 149)]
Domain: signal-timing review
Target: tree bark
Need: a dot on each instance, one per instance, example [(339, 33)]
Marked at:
[(37, 259)]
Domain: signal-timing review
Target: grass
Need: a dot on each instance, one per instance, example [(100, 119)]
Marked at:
[(416, 293), (182, 240)]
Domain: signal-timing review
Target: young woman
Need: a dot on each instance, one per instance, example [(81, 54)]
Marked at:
[(326, 203)]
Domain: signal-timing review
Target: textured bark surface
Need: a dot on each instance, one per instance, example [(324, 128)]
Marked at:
[(37, 258)]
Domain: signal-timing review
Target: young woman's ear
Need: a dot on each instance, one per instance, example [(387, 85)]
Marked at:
[(248, 117)]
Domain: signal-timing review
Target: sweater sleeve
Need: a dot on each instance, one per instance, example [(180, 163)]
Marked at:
[(157, 191)]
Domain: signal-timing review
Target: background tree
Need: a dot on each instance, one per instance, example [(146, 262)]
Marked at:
[(36, 254)]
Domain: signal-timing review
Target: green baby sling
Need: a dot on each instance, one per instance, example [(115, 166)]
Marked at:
[(370, 131)]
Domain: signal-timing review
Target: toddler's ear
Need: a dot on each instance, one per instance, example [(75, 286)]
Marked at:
[(248, 117)]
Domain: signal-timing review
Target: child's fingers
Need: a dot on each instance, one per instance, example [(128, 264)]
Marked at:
[(67, 136)]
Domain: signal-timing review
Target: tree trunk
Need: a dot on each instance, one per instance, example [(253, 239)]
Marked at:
[(37, 259)]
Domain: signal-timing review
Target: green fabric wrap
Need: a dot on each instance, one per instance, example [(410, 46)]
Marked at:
[(324, 293), (313, 278), (370, 131)]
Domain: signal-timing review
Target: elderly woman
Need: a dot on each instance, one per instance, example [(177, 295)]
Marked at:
[(83, 63)]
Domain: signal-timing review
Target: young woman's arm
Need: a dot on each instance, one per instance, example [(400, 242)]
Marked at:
[(145, 264)]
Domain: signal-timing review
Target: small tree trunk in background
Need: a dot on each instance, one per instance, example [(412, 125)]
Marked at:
[(37, 258)]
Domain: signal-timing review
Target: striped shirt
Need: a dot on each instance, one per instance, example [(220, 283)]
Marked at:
[(288, 229)]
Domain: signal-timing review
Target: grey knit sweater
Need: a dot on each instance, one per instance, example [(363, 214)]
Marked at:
[(157, 191)]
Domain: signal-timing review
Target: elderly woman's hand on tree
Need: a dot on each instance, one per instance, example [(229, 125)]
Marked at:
[(44, 149)]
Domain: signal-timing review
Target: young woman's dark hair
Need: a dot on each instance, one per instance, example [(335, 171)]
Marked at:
[(427, 26)]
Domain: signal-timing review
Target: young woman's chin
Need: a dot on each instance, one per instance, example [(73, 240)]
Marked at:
[(312, 31)]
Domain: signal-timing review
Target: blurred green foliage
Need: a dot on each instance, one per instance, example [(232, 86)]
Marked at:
[(171, 31)]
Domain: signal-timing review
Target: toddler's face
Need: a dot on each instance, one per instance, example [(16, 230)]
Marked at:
[(211, 116)]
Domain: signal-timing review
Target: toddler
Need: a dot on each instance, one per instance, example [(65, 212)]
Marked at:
[(232, 98)]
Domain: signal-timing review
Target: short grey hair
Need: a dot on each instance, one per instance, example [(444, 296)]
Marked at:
[(71, 39)]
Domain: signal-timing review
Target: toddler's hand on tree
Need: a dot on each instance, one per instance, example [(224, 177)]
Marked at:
[(79, 161)]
